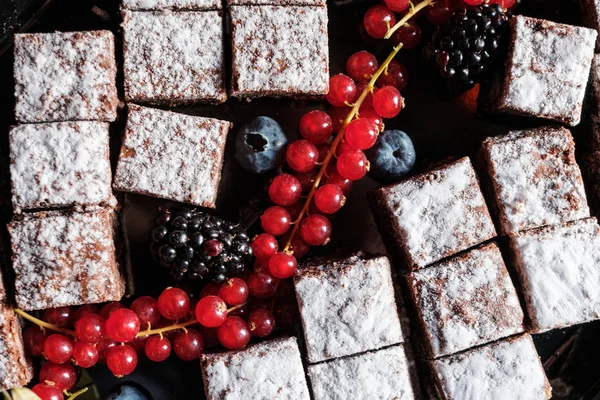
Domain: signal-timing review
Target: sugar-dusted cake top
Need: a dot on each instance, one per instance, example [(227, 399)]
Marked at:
[(64, 76), (277, 2), (548, 68), (559, 270), (466, 301), (347, 306), (64, 259), (171, 4), (173, 57), (263, 371), (279, 51), (436, 214), (60, 164), (382, 374), (509, 369), (173, 156), (536, 178)]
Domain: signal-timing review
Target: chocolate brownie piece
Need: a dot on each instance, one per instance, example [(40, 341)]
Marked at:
[(60, 164), (433, 215), (279, 51), (15, 368), (173, 57), (590, 13), (193, 5), (559, 273), (535, 178), (347, 306), (65, 258), (466, 301), (508, 369), (383, 374), (277, 2), (172, 156), (546, 71), (270, 370), (65, 76)]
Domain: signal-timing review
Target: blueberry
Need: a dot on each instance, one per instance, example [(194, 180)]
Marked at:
[(260, 145), (128, 391), (392, 156)]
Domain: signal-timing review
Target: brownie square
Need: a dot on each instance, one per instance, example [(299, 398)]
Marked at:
[(60, 164), (546, 71), (559, 273), (193, 5), (15, 368), (279, 51), (347, 306), (433, 215), (277, 2), (590, 13), (172, 156), (65, 76), (535, 178), (508, 369), (263, 371), (383, 374), (173, 57), (465, 301), (64, 259)]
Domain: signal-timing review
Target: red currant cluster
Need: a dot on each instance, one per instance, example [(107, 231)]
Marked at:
[(115, 335)]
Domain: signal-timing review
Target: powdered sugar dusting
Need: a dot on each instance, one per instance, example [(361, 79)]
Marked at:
[(383, 374), (559, 269), (64, 259), (279, 51), (270, 370), (347, 307), (65, 76), (174, 156), (60, 165), (173, 57), (438, 213), (277, 2), (509, 369), (466, 301), (536, 178), (172, 4)]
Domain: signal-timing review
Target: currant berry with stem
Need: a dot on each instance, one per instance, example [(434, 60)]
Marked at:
[(378, 20), (146, 308), (276, 220), (388, 102), (316, 126), (58, 348), (85, 354), (47, 392), (315, 230), (211, 311), (361, 66), (395, 75), (121, 360), (329, 198), (342, 90), (373, 116), (352, 165), (264, 246), (440, 12), (59, 316), (361, 133), (234, 333), (157, 348), (63, 376), (123, 325), (262, 284), (367, 103), (282, 265), (397, 5), (298, 248), (33, 340), (103, 347), (285, 190), (188, 345), (302, 155), (261, 322), (234, 291), (409, 35), (90, 328), (173, 304)]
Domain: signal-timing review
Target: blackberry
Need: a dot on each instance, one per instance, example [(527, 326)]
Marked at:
[(192, 245), (465, 48)]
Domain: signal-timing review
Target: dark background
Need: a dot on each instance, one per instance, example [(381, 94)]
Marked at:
[(440, 127)]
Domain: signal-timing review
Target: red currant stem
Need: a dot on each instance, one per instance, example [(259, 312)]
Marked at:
[(413, 10), (173, 327), (43, 324), (78, 393), (236, 307)]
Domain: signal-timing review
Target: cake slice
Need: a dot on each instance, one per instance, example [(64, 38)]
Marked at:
[(189, 5)]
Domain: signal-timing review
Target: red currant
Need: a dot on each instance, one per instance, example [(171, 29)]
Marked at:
[(408, 34), (85, 309), (146, 308), (139, 344), (333, 176), (329, 198), (387, 102), (234, 291), (315, 230), (352, 165), (33, 340), (440, 12), (85, 354), (109, 308), (121, 360), (63, 376), (373, 116), (47, 392), (90, 328), (211, 311), (307, 179), (316, 126), (298, 247), (276, 220), (338, 116), (264, 246), (361, 133), (59, 316), (58, 348), (398, 5), (285, 190), (103, 347), (342, 90), (173, 303), (157, 348), (123, 325), (188, 345), (361, 66), (212, 289), (262, 284), (396, 76), (302, 155), (261, 322), (378, 20), (367, 102), (282, 265), (234, 333)]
